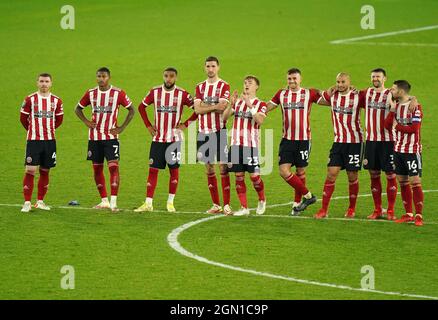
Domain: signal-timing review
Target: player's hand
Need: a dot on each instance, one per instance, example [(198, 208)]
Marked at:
[(115, 131), (413, 104), (353, 88), (91, 124), (181, 126), (331, 91), (220, 107), (234, 97), (392, 105), (152, 130)]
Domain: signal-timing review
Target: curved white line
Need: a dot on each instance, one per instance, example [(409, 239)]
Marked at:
[(172, 239)]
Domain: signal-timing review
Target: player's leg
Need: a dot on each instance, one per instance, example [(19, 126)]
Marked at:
[(241, 194), (222, 158), (391, 181), (402, 172), (112, 154), (371, 163), (32, 161), (173, 158), (353, 191), (406, 195), (329, 188), (96, 156), (418, 197), (301, 162), (157, 160), (417, 189), (28, 184), (258, 185), (206, 151), (352, 157), (48, 161)]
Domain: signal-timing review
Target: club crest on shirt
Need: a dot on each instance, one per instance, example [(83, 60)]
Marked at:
[(110, 100)]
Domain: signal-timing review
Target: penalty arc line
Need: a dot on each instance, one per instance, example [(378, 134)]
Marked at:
[(173, 242)]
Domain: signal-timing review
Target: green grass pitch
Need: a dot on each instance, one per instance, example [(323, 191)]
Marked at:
[(126, 255)]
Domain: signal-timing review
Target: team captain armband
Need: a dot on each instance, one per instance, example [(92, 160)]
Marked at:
[(416, 117)]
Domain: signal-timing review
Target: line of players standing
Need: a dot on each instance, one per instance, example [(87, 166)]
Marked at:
[(393, 121)]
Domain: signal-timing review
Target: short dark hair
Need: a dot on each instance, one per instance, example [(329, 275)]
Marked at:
[(379, 70), (45, 75), (251, 77), (211, 58), (293, 70), (104, 69), (172, 69), (403, 84)]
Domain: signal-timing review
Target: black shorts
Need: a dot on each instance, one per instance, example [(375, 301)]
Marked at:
[(41, 153), (408, 164), (296, 152), (212, 147), (165, 153), (346, 155), (98, 150), (379, 155), (243, 159)]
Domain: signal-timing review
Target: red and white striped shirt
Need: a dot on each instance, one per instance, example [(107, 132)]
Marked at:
[(376, 109), (211, 93), (408, 142), (42, 112), (296, 108), (346, 116), (245, 131), (168, 111), (105, 105)]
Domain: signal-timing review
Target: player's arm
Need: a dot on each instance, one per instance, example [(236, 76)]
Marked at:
[(25, 113), (203, 108), (229, 110), (271, 106), (389, 120), (413, 105), (59, 114), (415, 126), (324, 100), (118, 130), (80, 113)]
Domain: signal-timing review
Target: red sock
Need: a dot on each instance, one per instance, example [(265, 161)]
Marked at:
[(114, 177), (28, 186), (212, 186), (257, 182), (353, 190), (376, 191), (418, 196), (43, 183), (297, 184), (329, 187), (225, 182), (298, 194), (391, 189), (152, 182), (99, 178), (241, 191), (406, 194), (173, 180)]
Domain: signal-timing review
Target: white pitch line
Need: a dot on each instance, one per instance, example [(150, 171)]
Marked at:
[(401, 44), (385, 34), (172, 239)]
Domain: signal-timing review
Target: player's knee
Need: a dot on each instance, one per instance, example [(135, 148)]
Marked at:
[(284, 172), (31, 170)]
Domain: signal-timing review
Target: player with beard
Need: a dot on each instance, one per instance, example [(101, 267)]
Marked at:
[(296, 103), (346, 151), (210, 102), (169, 101), (40, 114), (407, 150)]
